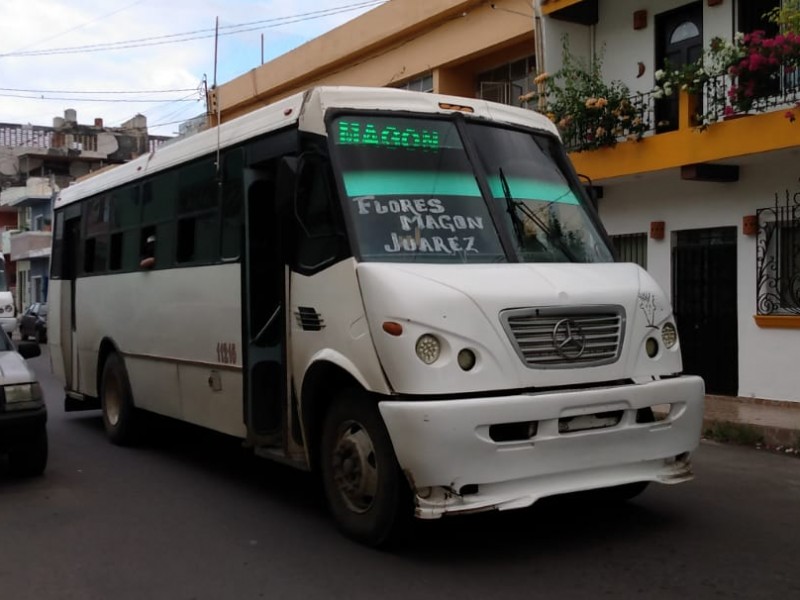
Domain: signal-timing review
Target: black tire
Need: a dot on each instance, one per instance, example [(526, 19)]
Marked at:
[(29, 459), (120, 416), (366, 492), (41, 336)]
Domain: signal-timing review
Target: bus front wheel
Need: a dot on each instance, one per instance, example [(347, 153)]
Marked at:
[(364, 487), (116, 402)]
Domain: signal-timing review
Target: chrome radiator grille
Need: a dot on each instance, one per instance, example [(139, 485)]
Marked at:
[(558, 338)]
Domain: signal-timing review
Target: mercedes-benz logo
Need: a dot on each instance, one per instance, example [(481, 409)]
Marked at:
[(569, 339)]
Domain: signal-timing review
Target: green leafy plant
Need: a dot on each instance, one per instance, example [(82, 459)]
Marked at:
[(588, 112), (787, 17), (693, 78)]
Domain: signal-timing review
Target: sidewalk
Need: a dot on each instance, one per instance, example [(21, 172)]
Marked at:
[(777, 421)]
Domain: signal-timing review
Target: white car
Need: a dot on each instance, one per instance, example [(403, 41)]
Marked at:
[(23, 415)]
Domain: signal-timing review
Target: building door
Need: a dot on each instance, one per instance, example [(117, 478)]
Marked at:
[(704, 298), (679, 41)]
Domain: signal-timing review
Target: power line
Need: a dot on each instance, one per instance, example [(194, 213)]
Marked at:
[(70, 99), (2, 89), (81, 26), (197, 34)]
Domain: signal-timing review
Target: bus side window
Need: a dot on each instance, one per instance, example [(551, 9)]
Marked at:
[(318, 242), (147, 247)]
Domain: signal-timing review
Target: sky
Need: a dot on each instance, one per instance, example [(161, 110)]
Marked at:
[(54, 53)]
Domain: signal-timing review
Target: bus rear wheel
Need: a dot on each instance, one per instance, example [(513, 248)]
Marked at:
[(116, 402), (364, 487)]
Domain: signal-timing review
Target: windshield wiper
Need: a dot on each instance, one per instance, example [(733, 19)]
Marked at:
[(514, 205)]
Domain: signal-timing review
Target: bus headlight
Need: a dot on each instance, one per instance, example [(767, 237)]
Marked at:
[(669, 335), (22, 397), (428, 348), (9, 308)]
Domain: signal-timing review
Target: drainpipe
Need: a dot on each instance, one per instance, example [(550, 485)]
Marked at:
[(538, 33), (538, 43)]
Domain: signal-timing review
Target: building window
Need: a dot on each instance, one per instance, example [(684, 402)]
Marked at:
[(506, 83), (631, 247), (420, 84), (683, 32), (778, 260), (751, 16)]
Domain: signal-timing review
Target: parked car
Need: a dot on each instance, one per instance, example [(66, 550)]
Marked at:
[(33, 322), (23, 415)]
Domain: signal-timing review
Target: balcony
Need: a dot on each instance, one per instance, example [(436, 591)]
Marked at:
[(708, 126), (740, 99), (34, 191), (26, 245)]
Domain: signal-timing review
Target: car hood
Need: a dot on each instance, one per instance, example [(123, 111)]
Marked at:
[(14, 369)]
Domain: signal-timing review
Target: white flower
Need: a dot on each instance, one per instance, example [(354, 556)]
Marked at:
[(660, 74), (658, 94), (739, 36)]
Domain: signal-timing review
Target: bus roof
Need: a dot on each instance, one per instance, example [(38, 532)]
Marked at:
[(287, 112)]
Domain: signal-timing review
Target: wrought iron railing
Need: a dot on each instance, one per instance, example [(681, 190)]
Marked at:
[(779, 90), (581, 131), (778, 257), (716, 102)]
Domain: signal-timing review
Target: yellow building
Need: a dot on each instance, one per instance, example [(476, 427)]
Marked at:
[(707, 197)]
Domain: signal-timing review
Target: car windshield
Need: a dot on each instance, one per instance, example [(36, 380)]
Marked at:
[(414, 195)]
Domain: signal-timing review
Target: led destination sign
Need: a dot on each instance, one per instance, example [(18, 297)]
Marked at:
[(386, 135)]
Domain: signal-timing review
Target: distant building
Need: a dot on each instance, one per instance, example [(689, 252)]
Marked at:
[(35, 163)]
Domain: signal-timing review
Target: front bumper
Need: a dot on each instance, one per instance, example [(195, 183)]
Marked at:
[(21, 426), (445, 449), (8, 324)]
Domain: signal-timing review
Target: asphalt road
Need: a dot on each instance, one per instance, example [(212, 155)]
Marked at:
[(193, 516)]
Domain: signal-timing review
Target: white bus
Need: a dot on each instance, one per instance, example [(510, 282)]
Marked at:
[(407, 292), (8, 313)]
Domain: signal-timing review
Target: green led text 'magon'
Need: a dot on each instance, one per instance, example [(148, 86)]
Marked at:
[(364, 133)]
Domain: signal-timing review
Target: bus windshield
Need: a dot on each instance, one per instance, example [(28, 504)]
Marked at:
[(414, 195)]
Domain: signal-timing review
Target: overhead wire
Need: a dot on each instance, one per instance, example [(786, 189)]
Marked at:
[(184, 103), (70, 99), (197, 34), (194, 89)]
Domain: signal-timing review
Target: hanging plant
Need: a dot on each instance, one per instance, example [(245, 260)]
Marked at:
[(588, 112)]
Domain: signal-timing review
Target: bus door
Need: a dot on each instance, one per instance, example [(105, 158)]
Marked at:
[(264, 300), (69, 270)]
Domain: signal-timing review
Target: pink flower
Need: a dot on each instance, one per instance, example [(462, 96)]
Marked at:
[(728, 111), (789, 114)]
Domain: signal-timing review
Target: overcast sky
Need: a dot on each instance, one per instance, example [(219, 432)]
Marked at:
[(51, 55)]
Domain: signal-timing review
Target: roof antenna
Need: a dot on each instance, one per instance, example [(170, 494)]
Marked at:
[(216, 95)]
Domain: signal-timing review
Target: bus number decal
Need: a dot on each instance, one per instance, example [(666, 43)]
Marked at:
[(226, 353)]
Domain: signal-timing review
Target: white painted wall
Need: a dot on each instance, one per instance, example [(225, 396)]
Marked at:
[(767, 357), (622, 46)]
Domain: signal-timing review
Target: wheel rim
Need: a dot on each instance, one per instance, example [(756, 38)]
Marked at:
[(112, 400), (355, 469)]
